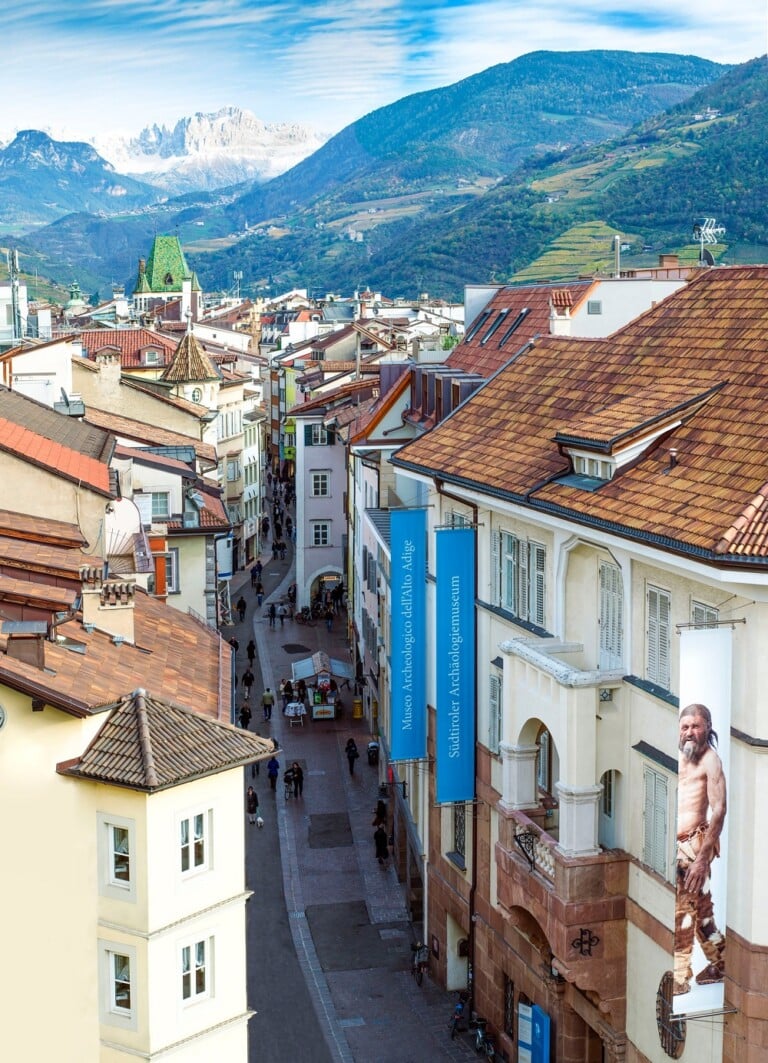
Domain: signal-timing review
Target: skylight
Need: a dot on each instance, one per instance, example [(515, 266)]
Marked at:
[(477, 325), (515, 325), (501, 317)]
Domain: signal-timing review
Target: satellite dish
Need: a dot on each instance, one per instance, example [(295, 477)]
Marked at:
[(707, 257)]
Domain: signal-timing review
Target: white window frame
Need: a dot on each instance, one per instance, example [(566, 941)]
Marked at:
[(195, 840), (160, 495), (233, 469), (320, 483), (111, 1011), (172, 581), (319, 435), (196, 963), (544, 761), (658, 607), (321, 533), (520, 576), (656, 820), (109, 883)]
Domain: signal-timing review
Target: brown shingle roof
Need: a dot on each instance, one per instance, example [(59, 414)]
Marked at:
[(43, 421), (526, 305), (149, 744), (149, 434), (28, 445), (713, 332), (190, 362), (40, 530)]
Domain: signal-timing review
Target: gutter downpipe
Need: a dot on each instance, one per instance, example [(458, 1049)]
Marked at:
[(473, 879)]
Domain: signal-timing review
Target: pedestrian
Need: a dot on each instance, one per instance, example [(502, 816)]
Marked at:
[(287, 693), (258, 568), (260, 593), (382, 845), (254, 577), (252, 804), (269, 479), (275, 549), (278, 531), (273, 768), (265, 528), (380, 815), (245, 716), (282, 548), (301, 691), (234, 644), (241, 607), (288, 526), (329, 618), (248, 680), (281, 612), (250, 649), (272, 614), (351, 751), (267, 701), (298, 779)]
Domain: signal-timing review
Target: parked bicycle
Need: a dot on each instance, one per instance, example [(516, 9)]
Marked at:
[(457, 1022), (484, 1045), (420, 957)]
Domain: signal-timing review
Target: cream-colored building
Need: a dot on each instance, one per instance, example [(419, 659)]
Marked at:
[(122, 817), (618, 501)]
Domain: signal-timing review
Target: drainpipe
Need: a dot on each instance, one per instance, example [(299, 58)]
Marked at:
[(473, 880)]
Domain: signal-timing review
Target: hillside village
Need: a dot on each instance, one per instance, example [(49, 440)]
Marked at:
[(600, 445)]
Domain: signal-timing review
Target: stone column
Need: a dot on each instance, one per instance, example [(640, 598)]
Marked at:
[(578, 819), (518, 777)]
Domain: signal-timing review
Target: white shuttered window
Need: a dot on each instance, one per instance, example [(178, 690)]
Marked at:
[(611, 616), (655, 820), (518, 572), (659, 608), (494, 718)]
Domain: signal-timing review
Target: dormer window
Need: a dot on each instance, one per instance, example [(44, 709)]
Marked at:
[(152, 357), (598, 468)]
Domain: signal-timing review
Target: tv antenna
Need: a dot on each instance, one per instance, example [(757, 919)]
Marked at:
[(706, 231)]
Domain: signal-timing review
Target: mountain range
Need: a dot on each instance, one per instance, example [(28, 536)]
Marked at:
[(464, 184)]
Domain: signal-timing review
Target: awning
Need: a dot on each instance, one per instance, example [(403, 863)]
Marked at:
[(310, 667)]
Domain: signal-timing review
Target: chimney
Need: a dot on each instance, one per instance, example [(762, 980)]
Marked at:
[(669, 261), (108, 605)]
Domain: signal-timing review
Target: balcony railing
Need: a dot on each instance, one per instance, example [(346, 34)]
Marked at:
[(536, 845)]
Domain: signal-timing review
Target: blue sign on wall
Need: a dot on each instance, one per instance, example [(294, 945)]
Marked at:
[(455, 664), (533, 1037), (408, 630)]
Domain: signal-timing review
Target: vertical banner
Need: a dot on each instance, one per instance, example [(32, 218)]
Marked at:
[(455, 664), (408, 634), (702, 824), (533, 1034)]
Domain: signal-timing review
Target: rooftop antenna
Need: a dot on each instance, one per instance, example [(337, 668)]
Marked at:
[(237, 276), (13, 276), (706, 231)]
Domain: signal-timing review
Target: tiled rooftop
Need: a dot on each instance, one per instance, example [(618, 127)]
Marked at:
[(150, 744), (189, 363), (130, 342), (149, 434), (714, 333)]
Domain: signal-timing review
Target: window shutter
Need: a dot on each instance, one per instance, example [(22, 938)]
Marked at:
[(655, 815), (331, 436), (537, 588), (307, 435), (494, 721), (664, 614), (521, 579), (495, 568), (703, 614), (611, 619)]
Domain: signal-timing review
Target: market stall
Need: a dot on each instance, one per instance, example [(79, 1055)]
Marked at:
[(320, 673)]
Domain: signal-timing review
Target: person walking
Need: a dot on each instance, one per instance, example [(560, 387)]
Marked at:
[(252, 804), (234, 644), (282, 612), (329, 618), (351, 751), (298, 779), (241, 606), (381, 844), (287, 693), (273, 769), (250, 649), (248, 680), (272, 614), (260, 593), (267, 701), (245, 716)]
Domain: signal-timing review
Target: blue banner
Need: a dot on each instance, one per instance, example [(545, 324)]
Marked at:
[(455, 664), (533, 1034), (408, 634)]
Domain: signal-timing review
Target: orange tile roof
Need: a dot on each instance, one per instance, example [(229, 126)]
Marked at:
[(22, 554), (714, 332), (38, 530), (26, 445), (28, 592), (130, 342)]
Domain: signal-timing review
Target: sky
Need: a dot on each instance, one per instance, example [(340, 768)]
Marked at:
[(86, 68)]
